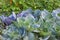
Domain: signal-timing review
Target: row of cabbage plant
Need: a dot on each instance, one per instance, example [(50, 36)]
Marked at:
[(31, 25)]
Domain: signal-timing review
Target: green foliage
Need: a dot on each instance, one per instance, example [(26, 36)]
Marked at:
[(6, 6)]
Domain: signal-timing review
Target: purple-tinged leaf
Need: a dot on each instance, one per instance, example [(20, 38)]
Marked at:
[(56, 14), (12, 16), (44, 14)]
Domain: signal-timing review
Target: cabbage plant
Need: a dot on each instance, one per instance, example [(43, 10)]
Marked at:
[(31, 25)]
